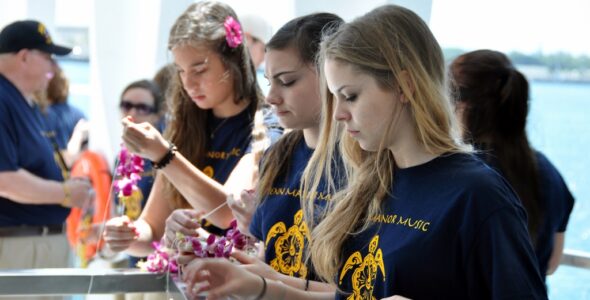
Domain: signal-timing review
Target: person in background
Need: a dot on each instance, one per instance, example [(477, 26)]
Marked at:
[(257, 32), (421, 216), (207, 152), (163, 79), (34, 197), (492, 102), (143, 101), (68, 123)]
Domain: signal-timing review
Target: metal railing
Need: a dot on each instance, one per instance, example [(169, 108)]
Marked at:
[(117, 281), (576, 258), (86, 281)]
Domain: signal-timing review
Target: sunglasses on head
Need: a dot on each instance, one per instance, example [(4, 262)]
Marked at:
[(140, 108)]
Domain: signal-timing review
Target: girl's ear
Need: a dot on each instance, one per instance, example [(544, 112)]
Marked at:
[(405, 80)]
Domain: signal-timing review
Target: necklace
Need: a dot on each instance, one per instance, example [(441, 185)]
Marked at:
[(212, 134)]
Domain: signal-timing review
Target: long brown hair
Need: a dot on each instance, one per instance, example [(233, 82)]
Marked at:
[(384, 43), (303, 34), (495, 97), (202, 24)]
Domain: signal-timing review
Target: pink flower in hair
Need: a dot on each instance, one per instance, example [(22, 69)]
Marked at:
[(233, 32)]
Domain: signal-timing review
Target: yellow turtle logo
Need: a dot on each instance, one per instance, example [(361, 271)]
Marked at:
[(365, 271), (289, 246)]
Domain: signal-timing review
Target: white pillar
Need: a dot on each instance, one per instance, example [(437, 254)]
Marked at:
[(169, 12), (43, 11), (11, 11), (123, 48)]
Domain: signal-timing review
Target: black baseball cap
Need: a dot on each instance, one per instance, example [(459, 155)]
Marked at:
[(29, 34)]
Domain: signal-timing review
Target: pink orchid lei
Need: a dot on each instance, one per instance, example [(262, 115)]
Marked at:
[(233, 32), (164, 260), (215, 246), (128, 172), (161, 261)]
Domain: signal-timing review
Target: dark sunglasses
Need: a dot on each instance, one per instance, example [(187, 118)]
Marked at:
[(142, 109)]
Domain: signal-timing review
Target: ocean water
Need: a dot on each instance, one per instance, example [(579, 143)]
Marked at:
[(558, 126)]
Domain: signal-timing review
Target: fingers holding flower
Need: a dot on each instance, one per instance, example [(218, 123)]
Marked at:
[(144, 139), (181, 223)]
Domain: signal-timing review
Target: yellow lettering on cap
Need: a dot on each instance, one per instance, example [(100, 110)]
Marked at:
[(43, 31)]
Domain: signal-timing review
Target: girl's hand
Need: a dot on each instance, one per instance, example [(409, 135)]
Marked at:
[(255, 265), (243, 210), (221, 278), (120, 233), (183, 221), (144, 140)]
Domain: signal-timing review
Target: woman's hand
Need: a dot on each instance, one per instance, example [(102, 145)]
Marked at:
[(144, 140), (222, 279), (184, 221), (120, 233), (255, 265), (243, 210)]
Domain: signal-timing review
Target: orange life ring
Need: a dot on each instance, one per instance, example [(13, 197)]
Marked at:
[(94, 167)]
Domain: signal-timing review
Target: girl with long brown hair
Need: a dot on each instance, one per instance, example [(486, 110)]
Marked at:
[(206, 153), (492, 102)]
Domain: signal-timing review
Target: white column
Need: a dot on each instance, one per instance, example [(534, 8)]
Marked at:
[(123, 48), (43, 11), (11, 11), (169, 12)]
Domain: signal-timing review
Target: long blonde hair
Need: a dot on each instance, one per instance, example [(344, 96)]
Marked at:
[(384, 43), (202, 24)]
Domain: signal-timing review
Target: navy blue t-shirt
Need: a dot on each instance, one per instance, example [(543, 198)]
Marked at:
[(452, 229), (61, 118), (230, 140), (24, 145), (557, 201), (278, 221)]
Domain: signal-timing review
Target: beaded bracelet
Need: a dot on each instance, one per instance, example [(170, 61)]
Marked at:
[(167, 157)]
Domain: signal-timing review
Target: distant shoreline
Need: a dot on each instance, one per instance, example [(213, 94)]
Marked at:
[(544, 80)]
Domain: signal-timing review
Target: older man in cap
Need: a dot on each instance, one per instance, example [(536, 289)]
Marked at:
[(35, 199)]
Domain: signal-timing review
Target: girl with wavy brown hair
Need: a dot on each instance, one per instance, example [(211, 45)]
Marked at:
[(205, 153)]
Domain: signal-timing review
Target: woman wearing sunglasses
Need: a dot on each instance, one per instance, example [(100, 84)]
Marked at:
[(143, 101)]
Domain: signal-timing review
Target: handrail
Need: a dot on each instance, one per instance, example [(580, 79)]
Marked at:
[(576, 258), (85, 281), (115, 281)]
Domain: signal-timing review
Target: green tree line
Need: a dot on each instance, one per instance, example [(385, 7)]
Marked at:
[(554, 61)]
